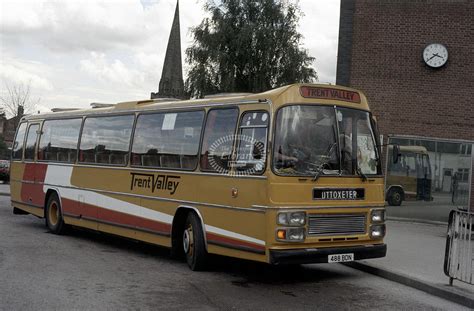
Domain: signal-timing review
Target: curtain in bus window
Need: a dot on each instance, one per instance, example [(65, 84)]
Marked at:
[(218, 140), (106, 140), (17, 149), (252, 143), (167, 140), (358, 151), (30, 144), (366, 156), (58, 140)]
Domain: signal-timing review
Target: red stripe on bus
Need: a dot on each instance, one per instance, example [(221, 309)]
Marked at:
[(218, 238), (32, 194), (35, 172), (76, 208), (92, 211), (131, 220), (31, 190)]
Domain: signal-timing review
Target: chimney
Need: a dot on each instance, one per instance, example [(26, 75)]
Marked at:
[(21, 111)]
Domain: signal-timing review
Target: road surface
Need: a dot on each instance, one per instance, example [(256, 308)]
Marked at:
[(85, 270)]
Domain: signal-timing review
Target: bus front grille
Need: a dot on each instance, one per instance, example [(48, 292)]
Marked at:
[(335, 224)]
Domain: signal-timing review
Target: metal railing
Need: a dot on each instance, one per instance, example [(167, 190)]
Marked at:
[(459, 255)]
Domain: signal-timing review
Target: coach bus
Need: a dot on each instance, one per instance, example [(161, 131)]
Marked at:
[(288, 176), (409, 178)]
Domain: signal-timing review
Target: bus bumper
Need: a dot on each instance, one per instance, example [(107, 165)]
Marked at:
[(320, 255)]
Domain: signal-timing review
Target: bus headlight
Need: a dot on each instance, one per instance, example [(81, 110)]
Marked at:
[(290, 234), (377, 231), (377, 216), (291, 218)]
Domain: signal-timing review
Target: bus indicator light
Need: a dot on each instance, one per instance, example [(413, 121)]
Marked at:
[(330, 93), (281, 234)]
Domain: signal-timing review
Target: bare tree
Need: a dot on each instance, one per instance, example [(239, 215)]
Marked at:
[(16, 99)]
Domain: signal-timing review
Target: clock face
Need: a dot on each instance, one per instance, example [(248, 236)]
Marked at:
[(435, 55)]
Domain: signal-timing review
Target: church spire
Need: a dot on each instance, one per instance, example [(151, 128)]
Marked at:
[(171, 82)]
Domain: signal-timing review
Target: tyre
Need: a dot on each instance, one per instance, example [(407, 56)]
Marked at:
[(193, 243), (395, 197), (54, 219)]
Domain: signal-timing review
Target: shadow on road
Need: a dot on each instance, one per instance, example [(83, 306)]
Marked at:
[(246, 271), (115, 244), (255, 272)]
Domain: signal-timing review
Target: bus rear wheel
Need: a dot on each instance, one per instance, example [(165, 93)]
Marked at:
[(395, 197), (193, 243), (54, 219)]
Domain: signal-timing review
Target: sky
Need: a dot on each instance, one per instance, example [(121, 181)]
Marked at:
[(76, 52)]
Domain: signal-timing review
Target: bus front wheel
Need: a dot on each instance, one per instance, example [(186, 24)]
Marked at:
[(193, 243), (54, 219), (395, 197)]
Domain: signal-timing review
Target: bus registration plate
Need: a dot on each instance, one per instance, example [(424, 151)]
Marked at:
[(340, 258)]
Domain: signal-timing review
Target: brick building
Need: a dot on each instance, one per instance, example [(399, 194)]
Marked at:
[(381, 46)]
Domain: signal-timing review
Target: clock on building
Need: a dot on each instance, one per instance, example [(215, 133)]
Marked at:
[(435, 55)]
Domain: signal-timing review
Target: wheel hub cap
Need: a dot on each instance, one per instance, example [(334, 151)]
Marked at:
[(53, 213), (188, 240)]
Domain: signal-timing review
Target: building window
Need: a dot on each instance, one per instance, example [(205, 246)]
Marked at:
[(466, 149)]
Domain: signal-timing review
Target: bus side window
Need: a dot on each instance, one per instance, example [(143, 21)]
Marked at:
[(106, 140), (168, 140), (17, 150), (411, 166), (30, 145), (216, 151), (58, 140), (252, 142)]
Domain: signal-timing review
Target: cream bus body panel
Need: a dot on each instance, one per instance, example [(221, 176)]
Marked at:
[(107, 203)]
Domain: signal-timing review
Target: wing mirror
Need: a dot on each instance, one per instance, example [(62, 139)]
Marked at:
[(395, 153)]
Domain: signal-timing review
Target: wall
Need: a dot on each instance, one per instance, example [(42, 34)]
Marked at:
[(385, 62)]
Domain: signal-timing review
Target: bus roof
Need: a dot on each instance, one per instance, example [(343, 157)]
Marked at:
[(301, 93)]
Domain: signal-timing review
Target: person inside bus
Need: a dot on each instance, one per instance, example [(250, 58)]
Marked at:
[(306, 148), (289, 158), (291, 154)]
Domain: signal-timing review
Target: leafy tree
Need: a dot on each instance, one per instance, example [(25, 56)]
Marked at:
[(247, 46)]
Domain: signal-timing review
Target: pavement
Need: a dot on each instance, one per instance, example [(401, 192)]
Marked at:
[(415, 258), (4, 189), (436, 210)]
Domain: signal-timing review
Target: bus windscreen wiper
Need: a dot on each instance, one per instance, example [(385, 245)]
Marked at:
[(318, 173), (320, 167), (359, 172)]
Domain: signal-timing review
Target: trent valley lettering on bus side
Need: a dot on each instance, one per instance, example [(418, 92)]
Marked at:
[(154, 182)]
